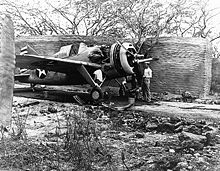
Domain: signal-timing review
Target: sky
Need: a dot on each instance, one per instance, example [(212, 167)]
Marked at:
[(215, 4)]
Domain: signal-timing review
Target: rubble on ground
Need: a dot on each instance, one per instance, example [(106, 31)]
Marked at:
[(119, 140)]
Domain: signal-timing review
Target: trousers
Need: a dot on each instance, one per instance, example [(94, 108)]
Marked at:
[(146, 89)]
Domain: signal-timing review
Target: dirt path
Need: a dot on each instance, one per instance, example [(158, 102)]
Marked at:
[(180, 109)]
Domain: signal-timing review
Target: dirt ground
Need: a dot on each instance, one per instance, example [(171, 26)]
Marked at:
[(59, 134)]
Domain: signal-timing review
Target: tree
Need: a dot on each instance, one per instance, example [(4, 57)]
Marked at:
[(136, 19)]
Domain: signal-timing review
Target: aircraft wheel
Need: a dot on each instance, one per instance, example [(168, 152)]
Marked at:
[(96, 94)]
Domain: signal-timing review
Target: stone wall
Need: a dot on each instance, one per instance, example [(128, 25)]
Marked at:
[(184, 65), (7, 65)]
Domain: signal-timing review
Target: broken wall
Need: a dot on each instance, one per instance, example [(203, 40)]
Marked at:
[(184, 65)]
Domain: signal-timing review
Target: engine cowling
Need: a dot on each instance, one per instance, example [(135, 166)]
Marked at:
[(121, 61)]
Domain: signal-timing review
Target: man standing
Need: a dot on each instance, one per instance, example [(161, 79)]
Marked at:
[(98, 76), (147, 75)]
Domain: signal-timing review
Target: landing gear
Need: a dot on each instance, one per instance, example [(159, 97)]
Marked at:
[(123, 90), (96, 94)]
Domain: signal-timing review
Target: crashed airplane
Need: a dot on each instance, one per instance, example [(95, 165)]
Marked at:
[(69, 68)]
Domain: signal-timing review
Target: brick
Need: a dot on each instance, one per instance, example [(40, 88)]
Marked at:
[(184, 65)]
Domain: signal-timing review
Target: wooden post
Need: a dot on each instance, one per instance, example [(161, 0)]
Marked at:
[(7, 66)]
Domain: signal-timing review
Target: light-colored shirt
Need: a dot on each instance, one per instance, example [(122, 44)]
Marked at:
[(147, 73), (124, 81), (98, 75)]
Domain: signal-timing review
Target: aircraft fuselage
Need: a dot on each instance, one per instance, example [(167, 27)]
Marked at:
[(52, 78)]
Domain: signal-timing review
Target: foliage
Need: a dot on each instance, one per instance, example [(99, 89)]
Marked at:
[(99, 138), (78, 148), (136, 19)]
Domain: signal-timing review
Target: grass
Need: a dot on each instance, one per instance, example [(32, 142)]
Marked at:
[(91, 138), (78, 148)]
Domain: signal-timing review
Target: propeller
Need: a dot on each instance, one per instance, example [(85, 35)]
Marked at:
[(137, 57)]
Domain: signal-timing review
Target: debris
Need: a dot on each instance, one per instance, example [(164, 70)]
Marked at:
[(108, 106), (126, 107), (211, 136), (78, 100), (167, 96), (142, 140), (30, 104), (190, 136), (190, 140), (52, 109), (187, 97), (139, 135), (171, 150)]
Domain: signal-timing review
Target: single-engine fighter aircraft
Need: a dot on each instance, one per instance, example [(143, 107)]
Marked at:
[(69, 68)]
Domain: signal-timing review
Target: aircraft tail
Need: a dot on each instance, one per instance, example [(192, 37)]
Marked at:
[(28, 50)]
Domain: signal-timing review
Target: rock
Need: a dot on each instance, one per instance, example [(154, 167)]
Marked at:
[(52, 109), (151, 127), (192, 145), (139, 135), (179, 129), (153, 150), (188, 157), (189, 140), (171, 150), (209, 101), (200, 101), (193, 129), (190, 136), (201, 160), (196, 155), (211, 136), (179, 124), (182, 165), (217, 101), (190, 168), (166, 127)]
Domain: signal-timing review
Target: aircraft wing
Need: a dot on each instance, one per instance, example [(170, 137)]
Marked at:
[(53, 64)]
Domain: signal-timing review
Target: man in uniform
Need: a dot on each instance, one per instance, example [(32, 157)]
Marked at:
[(147, 75)]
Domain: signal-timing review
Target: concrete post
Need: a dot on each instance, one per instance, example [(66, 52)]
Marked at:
[(7, 66)]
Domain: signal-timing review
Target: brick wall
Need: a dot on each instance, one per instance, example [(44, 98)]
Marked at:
[(184, 65)]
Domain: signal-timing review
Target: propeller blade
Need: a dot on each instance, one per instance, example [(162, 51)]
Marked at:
[(138, 56), (124, 48), (147, 60)]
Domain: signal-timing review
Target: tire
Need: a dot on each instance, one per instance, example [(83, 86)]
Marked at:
[(96, 94)]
